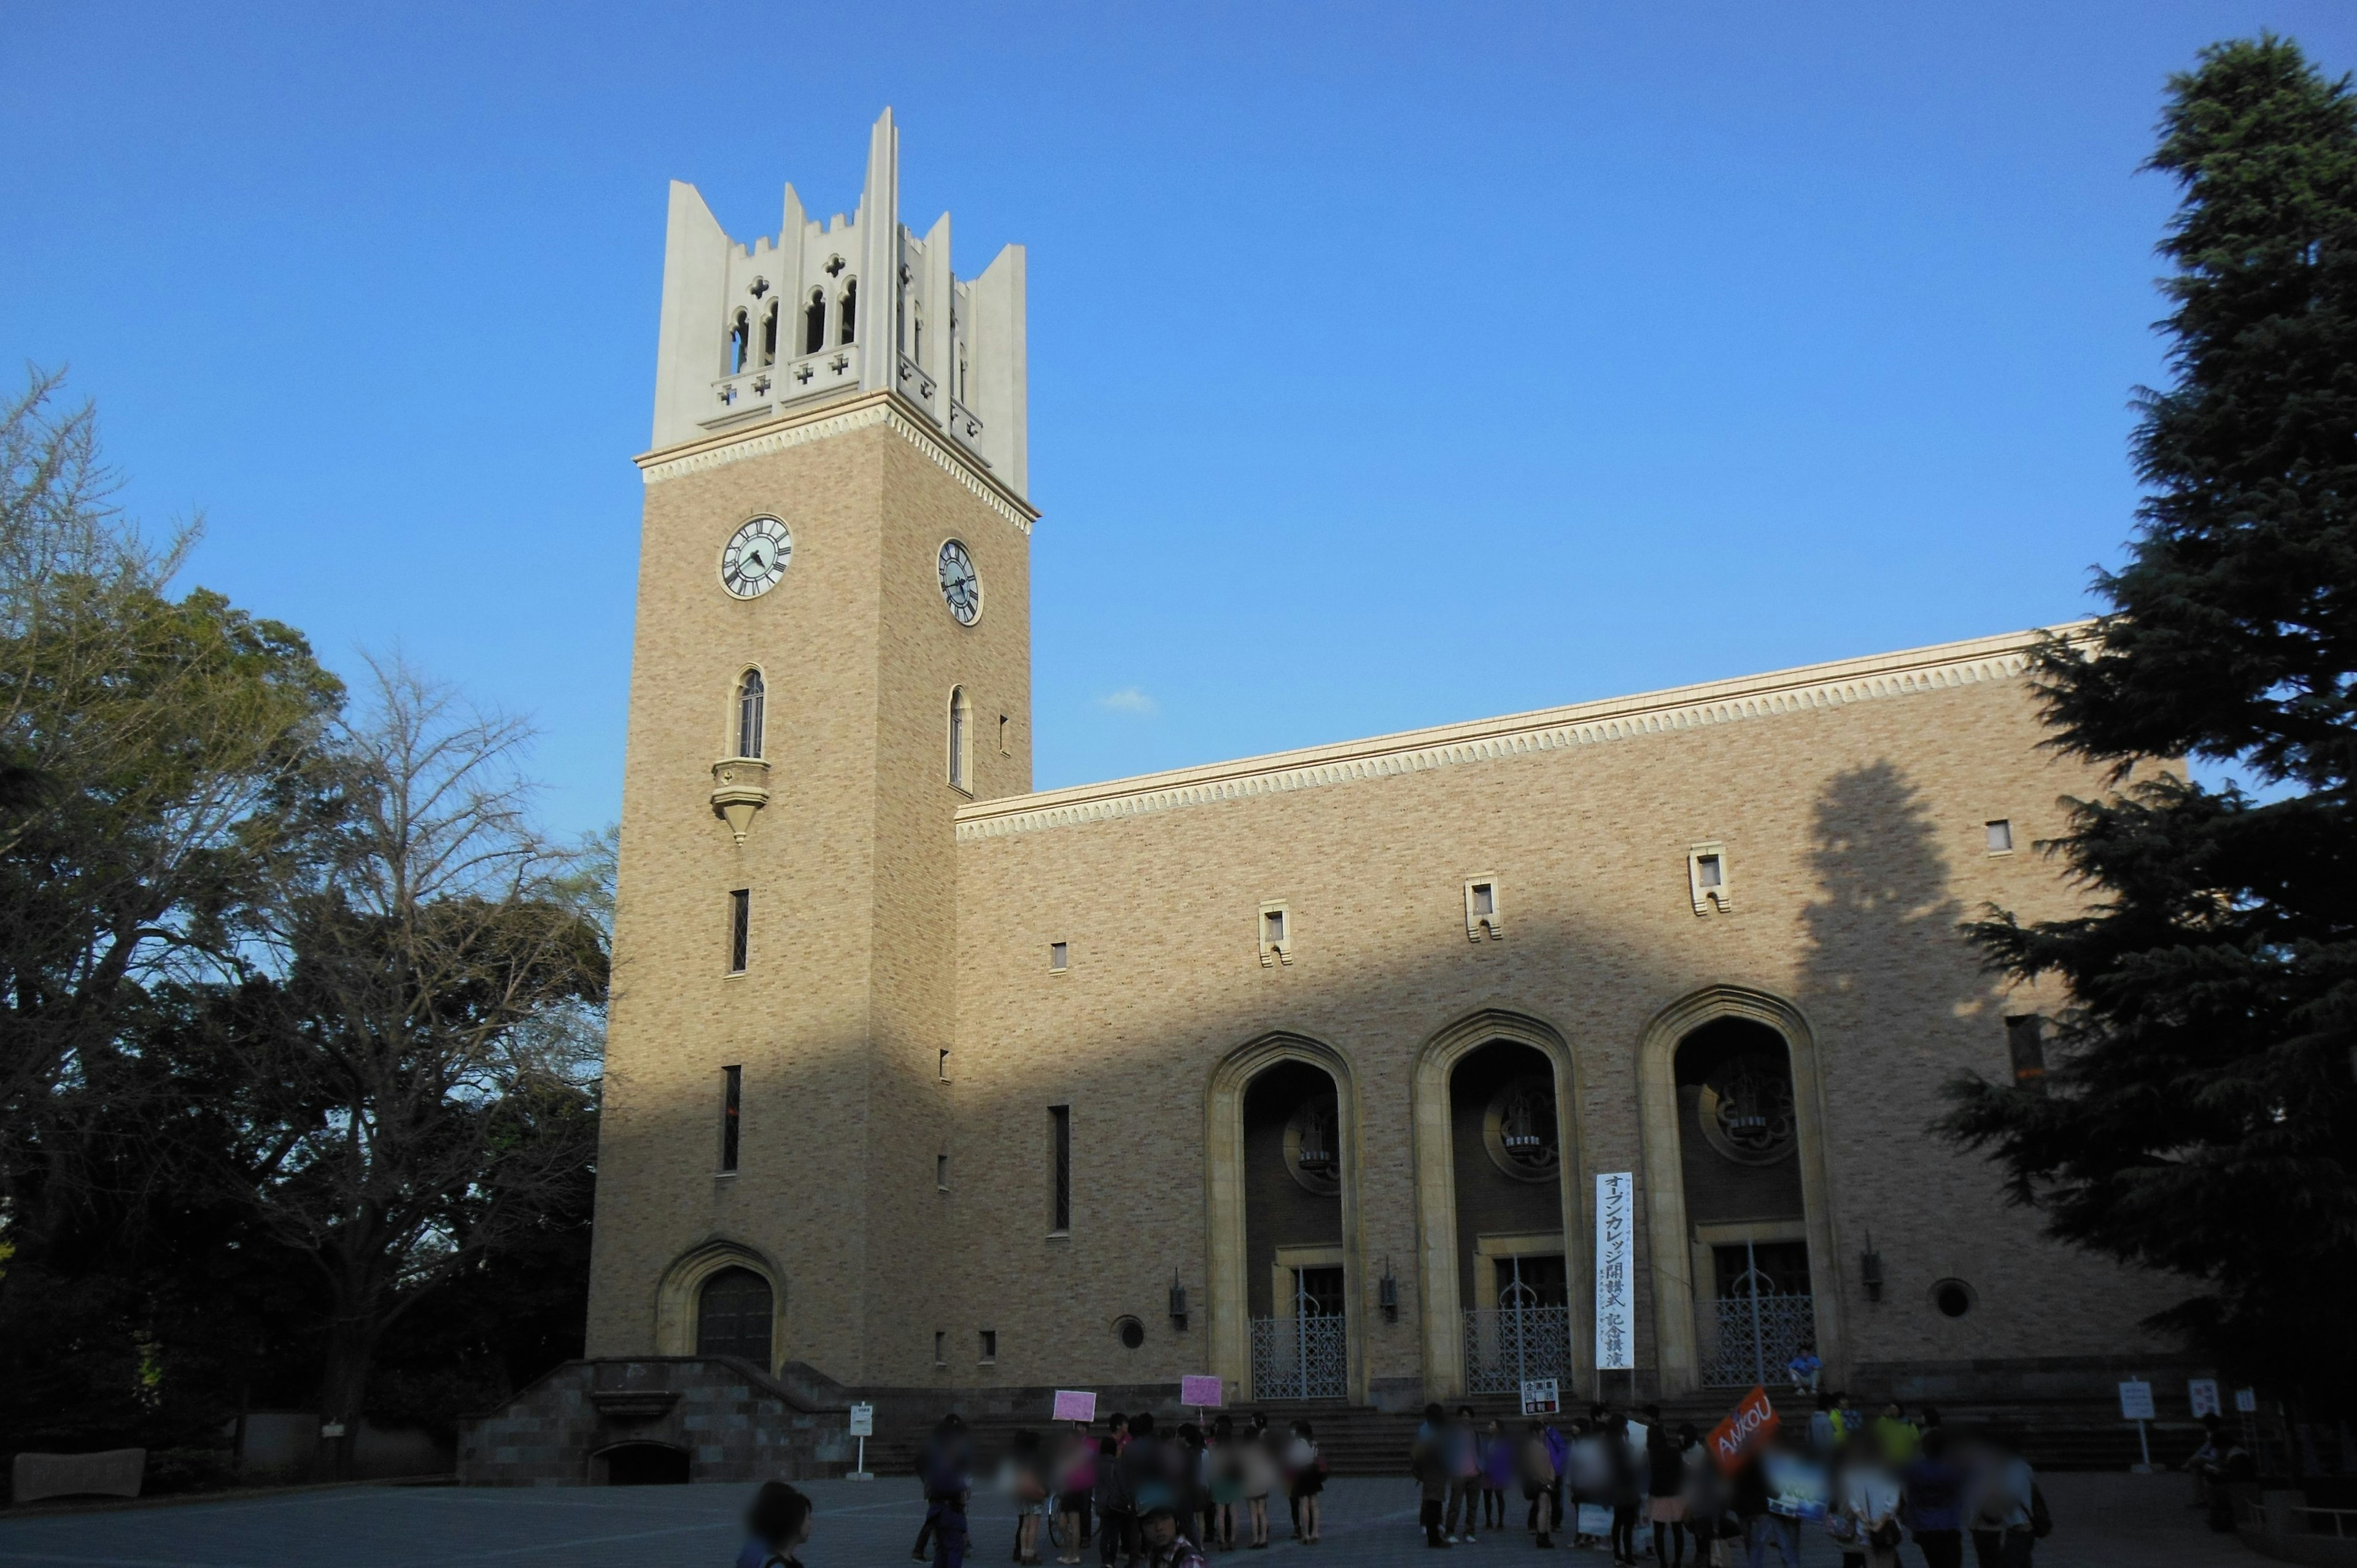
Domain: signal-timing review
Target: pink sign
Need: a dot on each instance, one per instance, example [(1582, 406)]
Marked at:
[(1203, 1394), (1074, 1405)]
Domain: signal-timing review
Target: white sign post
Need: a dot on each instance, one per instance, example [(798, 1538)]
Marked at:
[(862, 1427), (1616, 1294), (2135, 1404)]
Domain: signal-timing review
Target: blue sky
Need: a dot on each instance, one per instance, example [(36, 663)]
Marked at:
[(1390, 365)]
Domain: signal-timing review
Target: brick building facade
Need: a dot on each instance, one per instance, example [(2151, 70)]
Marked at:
[(1299, 1070)]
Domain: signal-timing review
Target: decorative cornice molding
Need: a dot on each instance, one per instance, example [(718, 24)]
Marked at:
[(1803, 690), (877, 408)]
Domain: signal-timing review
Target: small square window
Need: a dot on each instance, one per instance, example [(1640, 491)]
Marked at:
[(941, 1171), (1709, 879), (1484, 918), (1275, 935), (989, 1345), (1060, 957), (941, 1346), (2001, 835)]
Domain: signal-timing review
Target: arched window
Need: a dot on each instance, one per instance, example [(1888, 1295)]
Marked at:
[(770, 334), (751, 698), (846, 318), (741, 342), (732, 1317), (960, 739), (814, 322), (917, 337)]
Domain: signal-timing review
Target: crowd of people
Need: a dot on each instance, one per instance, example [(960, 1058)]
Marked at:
[(1143, 1497), (1611, 1480), (1146, 1496)]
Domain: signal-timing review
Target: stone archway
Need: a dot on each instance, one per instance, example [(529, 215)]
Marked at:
[(1676, 1339), (1227, 1248), (677, 1295), (1437, 1260)]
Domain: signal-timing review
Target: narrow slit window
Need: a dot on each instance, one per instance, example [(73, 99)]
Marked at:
[(2001, 835), (770, 334), (814, 322), (732, 1111), (740, 929), (751, 700), (1059, 1158), (989, 1345), (942, 1067), (941, 1346), (2025, 1042), (941, 1173), (847, 316), (961, 738), (1059, 956), (1003, 748)]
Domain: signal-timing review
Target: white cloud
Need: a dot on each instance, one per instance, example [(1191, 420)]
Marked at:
[(1128, 699)]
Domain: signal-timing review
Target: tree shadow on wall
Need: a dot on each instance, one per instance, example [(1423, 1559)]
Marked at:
[(1886, 969)]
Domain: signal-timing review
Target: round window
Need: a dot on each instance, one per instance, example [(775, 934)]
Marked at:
[(1312, 1151), (1746, 1109), (1519, 1130), (1952, 1297), (1130, 1331)]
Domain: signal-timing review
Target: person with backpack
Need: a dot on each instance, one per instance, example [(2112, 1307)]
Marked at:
[(1497, 1475), (1868, 1500), (944, 1469), (2007, 1510), (1307, 1469), (1076, 1473), (1539, 1482), (1931, 1502), (1464, 1451), (775, 1527), (1116, 1523), (1665, 1489), (1025, 1477), (1427, 1461)]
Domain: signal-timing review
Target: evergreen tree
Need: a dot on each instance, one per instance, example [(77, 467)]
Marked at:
[(2200, 1116)]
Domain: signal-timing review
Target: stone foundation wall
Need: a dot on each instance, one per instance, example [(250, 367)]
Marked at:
[(733, 1423)]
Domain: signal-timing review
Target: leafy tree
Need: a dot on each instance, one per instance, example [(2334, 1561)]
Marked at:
[(408, 1093), (156, 761), (2201, 1117)]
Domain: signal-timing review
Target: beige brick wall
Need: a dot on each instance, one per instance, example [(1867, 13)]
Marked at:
[(1856, 844), (847, 996), (883, 934)]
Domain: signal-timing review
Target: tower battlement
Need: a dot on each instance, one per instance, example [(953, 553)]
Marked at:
[(860, 304)]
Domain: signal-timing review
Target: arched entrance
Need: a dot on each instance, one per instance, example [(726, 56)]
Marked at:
[(1498, 1212), (1284, 1249), (1744, 1263), (732, 1315), (723, 1298)]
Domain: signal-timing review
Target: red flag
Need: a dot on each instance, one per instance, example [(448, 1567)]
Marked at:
[(1748, 1425)]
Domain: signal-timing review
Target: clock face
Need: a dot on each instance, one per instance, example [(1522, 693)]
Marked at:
[(756, 558), (961, 589)]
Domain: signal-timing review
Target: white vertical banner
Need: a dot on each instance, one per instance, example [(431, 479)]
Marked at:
[(1616, 1295)]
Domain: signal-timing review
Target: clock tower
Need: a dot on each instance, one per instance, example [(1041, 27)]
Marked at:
[(832, 656)]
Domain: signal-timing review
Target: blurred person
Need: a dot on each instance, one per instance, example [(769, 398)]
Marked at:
[(1539, 1480), (775, 1528), (1463, 1455), (1665, 1488), (1305, 1471), (1931, 1502), (1076, 1472)]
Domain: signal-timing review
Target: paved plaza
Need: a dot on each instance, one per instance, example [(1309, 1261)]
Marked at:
[(2107, 1520)]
